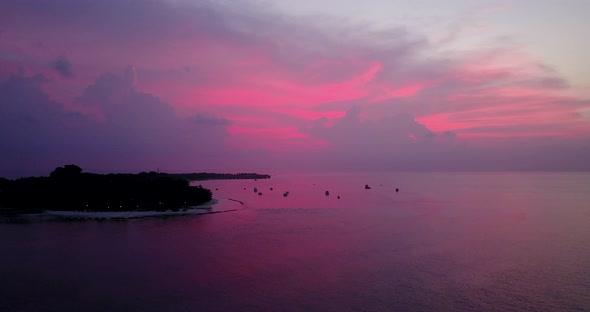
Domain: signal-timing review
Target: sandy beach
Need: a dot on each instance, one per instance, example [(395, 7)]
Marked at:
[(213, 206)]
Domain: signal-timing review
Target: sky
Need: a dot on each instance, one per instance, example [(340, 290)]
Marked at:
[(294, 85)]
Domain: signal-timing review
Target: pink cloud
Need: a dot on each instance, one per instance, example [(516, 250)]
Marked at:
[(280, 83)]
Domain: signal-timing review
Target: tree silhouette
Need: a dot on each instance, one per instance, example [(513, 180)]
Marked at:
[(68, 188)]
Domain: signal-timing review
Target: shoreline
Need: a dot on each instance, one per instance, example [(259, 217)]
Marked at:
[(203, 209)]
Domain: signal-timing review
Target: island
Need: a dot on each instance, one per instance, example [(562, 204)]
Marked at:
[(68, 188)]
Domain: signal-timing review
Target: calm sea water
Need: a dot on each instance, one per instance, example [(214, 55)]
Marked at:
[(445, 242)]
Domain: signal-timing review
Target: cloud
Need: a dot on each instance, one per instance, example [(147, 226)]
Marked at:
[(63, 67), (240, 78), (402, 143), (387, 142), (374, 134), (137, 131), (210, 120)]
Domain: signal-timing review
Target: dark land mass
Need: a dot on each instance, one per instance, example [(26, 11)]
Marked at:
[(216, 176), (68, 188)]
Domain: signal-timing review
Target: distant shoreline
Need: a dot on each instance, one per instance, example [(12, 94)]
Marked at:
[(204, 176)]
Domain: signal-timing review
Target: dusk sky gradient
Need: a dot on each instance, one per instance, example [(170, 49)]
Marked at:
[(275, 86)]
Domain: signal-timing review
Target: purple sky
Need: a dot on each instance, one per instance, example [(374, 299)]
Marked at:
[(134, 85)]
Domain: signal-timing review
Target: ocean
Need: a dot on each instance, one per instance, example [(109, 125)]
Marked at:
[(444, 242)]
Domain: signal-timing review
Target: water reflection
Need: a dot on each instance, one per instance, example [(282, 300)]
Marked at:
[(445, 242)]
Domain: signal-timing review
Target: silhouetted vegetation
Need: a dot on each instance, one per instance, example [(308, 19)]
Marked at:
[(68, 188)]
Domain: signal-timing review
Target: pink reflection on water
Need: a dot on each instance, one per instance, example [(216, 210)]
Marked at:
[(445, 242)]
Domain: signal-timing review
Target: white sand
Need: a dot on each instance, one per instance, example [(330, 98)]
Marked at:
[(196, 210)]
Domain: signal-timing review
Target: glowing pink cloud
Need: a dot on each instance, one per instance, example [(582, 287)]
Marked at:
[(264, 86)]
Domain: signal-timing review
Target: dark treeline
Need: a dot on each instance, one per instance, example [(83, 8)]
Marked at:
[(216, 176), (68, 188)]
